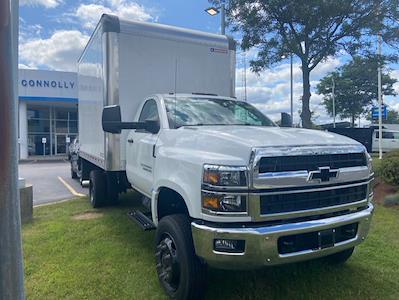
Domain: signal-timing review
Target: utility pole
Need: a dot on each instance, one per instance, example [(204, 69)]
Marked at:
[(222, 17), (11, 266), (333, 99), (245, 77), (379, 98), (292, 90)]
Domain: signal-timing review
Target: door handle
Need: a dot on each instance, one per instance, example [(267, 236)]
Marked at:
[(130, 141)]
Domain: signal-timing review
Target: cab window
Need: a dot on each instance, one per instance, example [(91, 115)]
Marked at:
[(385, 135)]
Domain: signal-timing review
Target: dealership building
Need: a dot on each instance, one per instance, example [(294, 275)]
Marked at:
[(48, 112)]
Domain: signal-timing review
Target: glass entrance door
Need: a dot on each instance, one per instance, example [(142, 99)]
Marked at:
[(60, 144)]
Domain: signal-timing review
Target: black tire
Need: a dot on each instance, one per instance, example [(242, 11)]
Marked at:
[(340, 257), (97, 189), (73, 173), (112, 188), (180, 271)]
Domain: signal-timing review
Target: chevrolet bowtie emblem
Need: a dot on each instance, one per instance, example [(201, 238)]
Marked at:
[(323, 174)]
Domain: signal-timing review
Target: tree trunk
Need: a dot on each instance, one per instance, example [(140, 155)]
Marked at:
[(305, 114), (353, 121)]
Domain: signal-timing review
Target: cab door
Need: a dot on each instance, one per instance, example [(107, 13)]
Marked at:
[(140, 158)]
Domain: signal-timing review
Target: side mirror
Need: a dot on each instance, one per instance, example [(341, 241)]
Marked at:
[(111, 119), (151, 126)]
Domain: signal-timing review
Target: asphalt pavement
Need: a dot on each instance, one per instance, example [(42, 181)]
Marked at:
[(51, 181)]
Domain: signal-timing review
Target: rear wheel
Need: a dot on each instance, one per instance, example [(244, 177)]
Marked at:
[(97, 189), (112, 188), (180, 272), (340, 257)]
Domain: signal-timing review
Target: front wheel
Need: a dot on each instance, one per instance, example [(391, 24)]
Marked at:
[(180, 272)]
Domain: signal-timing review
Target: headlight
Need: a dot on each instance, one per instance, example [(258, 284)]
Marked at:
[(219, 202), (225, 176)]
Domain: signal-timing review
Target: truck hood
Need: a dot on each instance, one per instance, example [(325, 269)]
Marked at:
[(232, 145), (256, 136)]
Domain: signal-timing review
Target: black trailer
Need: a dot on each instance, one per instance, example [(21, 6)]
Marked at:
[(362, 135)]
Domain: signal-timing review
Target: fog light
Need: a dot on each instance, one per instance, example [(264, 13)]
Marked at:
[(234, 203), (229, 246)]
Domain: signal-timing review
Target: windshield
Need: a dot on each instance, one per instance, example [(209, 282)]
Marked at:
[(188, 111)]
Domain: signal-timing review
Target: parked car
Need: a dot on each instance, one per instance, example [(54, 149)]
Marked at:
[(389, 141), (74, 159), (74, 146)]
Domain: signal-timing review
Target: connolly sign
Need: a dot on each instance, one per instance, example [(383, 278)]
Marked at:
[(60, 84)]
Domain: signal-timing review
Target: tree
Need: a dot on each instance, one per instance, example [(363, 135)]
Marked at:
[(312, 30), (392, 117), (356, 87)]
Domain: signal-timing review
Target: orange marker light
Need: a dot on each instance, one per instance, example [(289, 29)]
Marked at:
[(211, 177), (210, 202)]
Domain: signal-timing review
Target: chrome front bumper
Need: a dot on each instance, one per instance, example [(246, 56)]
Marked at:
[(261, 243)]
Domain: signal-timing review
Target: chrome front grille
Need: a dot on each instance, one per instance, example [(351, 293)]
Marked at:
[(311, 162), (283, 186), (284, 203)]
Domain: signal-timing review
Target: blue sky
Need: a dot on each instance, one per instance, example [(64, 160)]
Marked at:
[(54, 32)]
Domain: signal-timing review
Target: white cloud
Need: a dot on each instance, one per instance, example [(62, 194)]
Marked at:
[(27, 32), (269, 91), (45, 3), (395, 74), (58, 52), (61, 50), (23, 66), (89, 14)]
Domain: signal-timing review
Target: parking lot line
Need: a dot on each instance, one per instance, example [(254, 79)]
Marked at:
[(71, 189), (52, 203)]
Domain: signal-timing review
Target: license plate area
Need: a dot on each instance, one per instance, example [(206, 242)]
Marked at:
[(316, 240), (326, 238)]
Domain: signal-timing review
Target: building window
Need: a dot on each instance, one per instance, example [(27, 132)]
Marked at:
[(55, 125)]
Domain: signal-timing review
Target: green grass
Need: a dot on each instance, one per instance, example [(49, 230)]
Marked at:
[(110, 258)]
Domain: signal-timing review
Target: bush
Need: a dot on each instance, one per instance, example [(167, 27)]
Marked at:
[(389, 168), (391, 200)]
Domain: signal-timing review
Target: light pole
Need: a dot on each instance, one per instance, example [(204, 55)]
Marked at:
[(245, 77), (292, 91), (333, 99), (291, 88), (379, 98), (213, 11)]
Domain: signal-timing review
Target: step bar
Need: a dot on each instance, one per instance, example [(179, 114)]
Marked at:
[(142, 220)]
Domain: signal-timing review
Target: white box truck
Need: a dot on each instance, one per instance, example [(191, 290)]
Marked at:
[(222, 185)]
